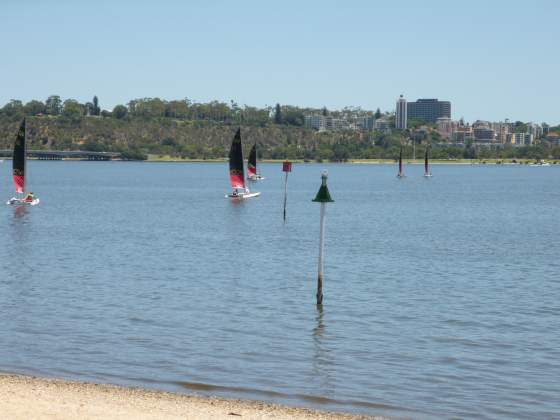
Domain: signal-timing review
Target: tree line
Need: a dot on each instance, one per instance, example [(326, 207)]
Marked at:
[(184, 128)]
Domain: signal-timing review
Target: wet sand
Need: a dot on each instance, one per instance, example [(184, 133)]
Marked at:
[(26, 397)]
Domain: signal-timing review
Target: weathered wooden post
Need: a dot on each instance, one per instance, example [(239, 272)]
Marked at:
[(323, 196), (286, 167)]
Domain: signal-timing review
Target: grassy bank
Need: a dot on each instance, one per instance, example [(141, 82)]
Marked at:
[(169, 158)]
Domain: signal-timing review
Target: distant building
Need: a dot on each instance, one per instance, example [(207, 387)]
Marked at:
[(382, 124), (428, 110), (535, 129), (521, 139), (401, 114), (365, 123), (446, 127), (501, 129), (318, 122), (463, 133), (484, 135)]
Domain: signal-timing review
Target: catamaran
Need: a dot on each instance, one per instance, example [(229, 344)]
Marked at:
[(19, 166), (427, 172), (237, 171), (401, 173), (252, 174)]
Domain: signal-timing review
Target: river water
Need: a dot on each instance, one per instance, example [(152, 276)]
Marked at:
[(441, 295)]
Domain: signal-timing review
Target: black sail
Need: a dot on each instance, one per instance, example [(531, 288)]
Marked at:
[(18, 162), (236, 173), (252, 162)]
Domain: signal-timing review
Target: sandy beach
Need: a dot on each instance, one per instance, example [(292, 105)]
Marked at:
[(26, 397)]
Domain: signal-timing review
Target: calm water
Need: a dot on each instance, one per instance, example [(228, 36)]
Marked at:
[(441, 295)]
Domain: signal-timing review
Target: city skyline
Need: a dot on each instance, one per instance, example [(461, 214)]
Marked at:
[(302, 54)]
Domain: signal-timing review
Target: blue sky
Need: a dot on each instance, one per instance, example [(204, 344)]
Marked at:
[(492, 59)]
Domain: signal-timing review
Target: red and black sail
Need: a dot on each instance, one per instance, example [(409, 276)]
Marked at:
[(236, 172), (252, 162), (18, 161)]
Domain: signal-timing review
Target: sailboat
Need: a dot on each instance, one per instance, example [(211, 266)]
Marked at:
[(401, 173), (237, 172), (252, 174), (427, 173), (19, 167)]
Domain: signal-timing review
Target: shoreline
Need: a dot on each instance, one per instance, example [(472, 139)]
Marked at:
[(25, 397), (473, 162)]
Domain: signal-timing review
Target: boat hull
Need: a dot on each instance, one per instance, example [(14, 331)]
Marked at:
[(256, 178), (21, 202), (243, 196)]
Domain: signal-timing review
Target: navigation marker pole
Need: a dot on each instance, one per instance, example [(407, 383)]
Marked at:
[(323, 196), (286, 168)]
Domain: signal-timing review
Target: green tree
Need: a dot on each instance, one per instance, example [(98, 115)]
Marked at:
[(96, 109), (34, 108), (176, 109), (292, 115), (377, 114), (120, 111), (73, 110), (13, 109), (278, 114), (53, 105), (147, 107)]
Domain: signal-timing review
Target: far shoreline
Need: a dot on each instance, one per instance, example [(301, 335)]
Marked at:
[(169, 159)]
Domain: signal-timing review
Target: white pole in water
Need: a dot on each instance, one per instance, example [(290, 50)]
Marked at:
[(323, 197), (321, 256)]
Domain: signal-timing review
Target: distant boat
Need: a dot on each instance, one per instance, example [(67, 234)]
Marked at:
[(401, 173), (540, 163), (237, 172), (427, 172), (19, 170), (252, 173)]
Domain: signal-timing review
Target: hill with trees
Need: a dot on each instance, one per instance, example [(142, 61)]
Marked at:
[(182, 128)]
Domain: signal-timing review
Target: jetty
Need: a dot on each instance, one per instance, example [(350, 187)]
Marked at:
[(65, 154)]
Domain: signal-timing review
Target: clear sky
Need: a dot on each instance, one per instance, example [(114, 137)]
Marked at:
[(492, 59)]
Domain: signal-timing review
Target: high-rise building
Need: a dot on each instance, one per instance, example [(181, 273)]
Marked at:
[(428, 110), (401, 114), (521, 139)]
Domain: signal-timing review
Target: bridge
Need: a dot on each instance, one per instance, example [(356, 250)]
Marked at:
[(66, 154)]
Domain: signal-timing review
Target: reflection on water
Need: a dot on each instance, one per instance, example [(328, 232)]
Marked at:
[(441, 297), (322, 358), (20, 211)]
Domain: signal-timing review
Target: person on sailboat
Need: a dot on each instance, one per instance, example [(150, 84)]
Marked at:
[(29, 197)]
